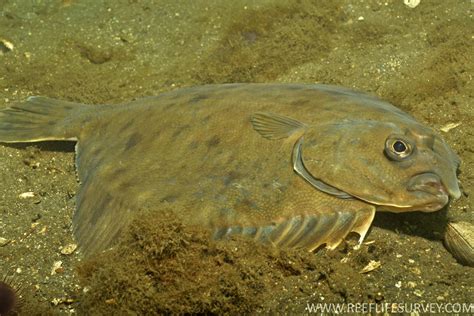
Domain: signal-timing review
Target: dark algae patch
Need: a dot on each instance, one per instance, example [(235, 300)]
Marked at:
[(113, 51), (170, 270)]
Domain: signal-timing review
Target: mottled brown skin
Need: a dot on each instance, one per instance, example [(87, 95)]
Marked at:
[(195, 151)]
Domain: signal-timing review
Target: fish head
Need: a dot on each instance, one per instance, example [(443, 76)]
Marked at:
[(397, 167)]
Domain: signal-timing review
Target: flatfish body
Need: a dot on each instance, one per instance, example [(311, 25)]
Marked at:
[(290, 164)]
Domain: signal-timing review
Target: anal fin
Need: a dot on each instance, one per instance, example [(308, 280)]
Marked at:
[(309, 232)]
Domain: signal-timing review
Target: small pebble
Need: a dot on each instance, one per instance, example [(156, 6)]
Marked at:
[(446, 128), (415, 270), (4, 241), (56, 301), (372, 265), (68, 249), (26, 195), (418, 292), (5, 46), (62, 300), (57, 267)]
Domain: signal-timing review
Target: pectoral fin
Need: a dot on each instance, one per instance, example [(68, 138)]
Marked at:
[(274, 126)]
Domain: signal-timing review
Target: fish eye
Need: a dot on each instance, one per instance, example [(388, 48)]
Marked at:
[(397, 148)]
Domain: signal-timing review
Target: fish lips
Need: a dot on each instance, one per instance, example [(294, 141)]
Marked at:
[(429, 187)]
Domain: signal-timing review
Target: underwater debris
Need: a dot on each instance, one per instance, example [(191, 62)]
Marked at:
[(5, 46), (4, 241), (371, 266), (446, 128)]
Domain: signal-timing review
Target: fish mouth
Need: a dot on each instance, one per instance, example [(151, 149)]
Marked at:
[(431, 192)]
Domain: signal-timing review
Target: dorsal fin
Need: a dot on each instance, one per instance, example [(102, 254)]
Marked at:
[(274, 126)]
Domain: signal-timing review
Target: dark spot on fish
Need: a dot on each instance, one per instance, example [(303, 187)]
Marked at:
[(99, 207), (213, 141), (67, 107), (193, 145), (355, 141), (133, 140), (169, 106), (198, 194), (231, 177), (183, 166), (294, 87), (225, 212), (206, 119), (198, 98), (119, 172), (257, 165), (250, 37), (170, 198), (94, 151), (127, 125), (300, 102), (230, 160), (87, 157), (245, 205), (179, 130), (125, 185)]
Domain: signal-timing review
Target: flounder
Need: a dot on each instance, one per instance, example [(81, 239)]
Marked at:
[(293, 165)]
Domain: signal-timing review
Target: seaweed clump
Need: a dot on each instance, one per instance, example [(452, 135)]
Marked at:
[(162, 266)]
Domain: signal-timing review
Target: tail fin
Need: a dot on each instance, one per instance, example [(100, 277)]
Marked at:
[(39, 119)]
